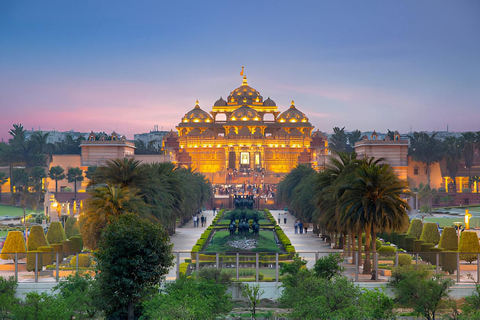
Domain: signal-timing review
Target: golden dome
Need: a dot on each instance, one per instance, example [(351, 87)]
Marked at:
[(197, 115), (244, 113), (245, 94), (292, 115)]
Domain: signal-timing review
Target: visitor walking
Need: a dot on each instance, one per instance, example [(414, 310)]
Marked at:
[(305, 227), (195, 221), (279, 218), (300, 226), (285, 218), (202, 219), (296, 226)]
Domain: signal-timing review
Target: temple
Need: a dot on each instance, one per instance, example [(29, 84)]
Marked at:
[(243, 135)]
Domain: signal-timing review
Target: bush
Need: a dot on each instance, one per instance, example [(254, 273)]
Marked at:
[(47, 255), (215, 275), (425, 252), (430, 233), (84, 261), (8, 301), (15, 243), (417, 245), (33, 256), (409, 243), (328, 266), (404, 259), (449, 239), (469, 243), (449, 261), (71, 227), (56, 233), (386, 251), (76, 244), (401, 240), (415, 229), (67, 247), (57, 247), (36, 238)]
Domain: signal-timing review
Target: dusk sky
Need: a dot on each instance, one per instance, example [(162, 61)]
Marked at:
[(130, 65)]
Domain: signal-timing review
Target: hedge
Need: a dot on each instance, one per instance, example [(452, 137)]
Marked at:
[(449, 239), (56, 233), (425, 252), (67, 247), (404, 259), (417, 245), (469, 243), (386, 251), (430, 233), (84, 261), (57, 247), (15, 243), (33, 256), (401, 240), (415, 229), (449, 261), (71, 227), (47, 255), (36, 238), (76, 244)]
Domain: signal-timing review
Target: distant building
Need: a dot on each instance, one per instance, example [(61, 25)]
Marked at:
[(57, 136), (153, 138)]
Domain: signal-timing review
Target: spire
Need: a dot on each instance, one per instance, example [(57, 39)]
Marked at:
[(196, 105), (244, 83), (293, 104)]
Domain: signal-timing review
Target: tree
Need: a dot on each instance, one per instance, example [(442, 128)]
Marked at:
[(75, 175), (253, 294), (468, 148), (453, 154), (91, 175), (122, 172), (426, 148), (416, 287), (56, 173), (133, 256), (7, 296), (328, 266), (3, 180), (373, 200), (474, 179), (338, 140)]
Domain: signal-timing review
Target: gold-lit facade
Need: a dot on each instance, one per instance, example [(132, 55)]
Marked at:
[(242, 133)]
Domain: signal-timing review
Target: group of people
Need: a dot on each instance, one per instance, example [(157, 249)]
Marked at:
[(284, 218), (202, 220), (300, 227)]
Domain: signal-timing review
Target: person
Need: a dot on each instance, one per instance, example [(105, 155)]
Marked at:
[(296, 226), (300, 226), (305, 227), (285, 218), (279, 218), (205, 221), (214, 211), (195, 221), (202, 219)]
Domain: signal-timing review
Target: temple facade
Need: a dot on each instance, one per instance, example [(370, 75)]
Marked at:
[(243, 133)]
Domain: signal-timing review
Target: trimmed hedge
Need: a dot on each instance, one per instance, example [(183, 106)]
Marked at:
[(76, 244), (404, 259), (47, 255), (449, 239), (15, 243), (417, 245), (469, 243), (56, 233), (430, 233), (401, 240), (449, 261), (425, 252), (57, 247), (33, 256), (84, 261), (387, 251), (415, 229), (36, 238), (71, 227)]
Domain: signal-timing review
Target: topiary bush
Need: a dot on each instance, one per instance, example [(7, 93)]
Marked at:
[(387, 251), (404, 259), (401, 240), (33, 256), (409, 243), (434, 251), (449, 261), (415, 229), (425, 252), (71, 227), (84, 261), (56, 233), (430, 233), (66, 247), (15, 243), (36, 238), (449, 239), (47, 255), (417, 245), (469, 243), (76, 244), (57, 248)]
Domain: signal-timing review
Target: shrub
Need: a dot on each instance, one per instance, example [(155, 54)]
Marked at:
[(415, 229), (67, 247), (417, 245), (71, 227), (449, 261), (56, 233), (449, 239), (76, 244), (401, 240), (469, 243), (425, 252), (84, 261), (33, 256), (57, 247), (329, 266), (430, 233), (434, 251), (386, 251), (15, 243), (409, 243), (47, 255), (36, 238), (404, 259)]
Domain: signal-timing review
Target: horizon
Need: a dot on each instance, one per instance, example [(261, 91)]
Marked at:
[(375, 65)]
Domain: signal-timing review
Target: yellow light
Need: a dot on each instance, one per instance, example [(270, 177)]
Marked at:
[(185, 120), (219, 145), (204, 145), (196, 120), (259, 145), (181, 146), (208, 120), (304, 120), (270, 145), (276, 146), (293, 120), (256, 119), (282, 120), (195, 146), (244, 118), (241, 145), (283, 146), (467, 219), (233, 118)]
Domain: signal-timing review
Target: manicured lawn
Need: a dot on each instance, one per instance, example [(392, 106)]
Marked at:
[(14, 211), (448, 222), (265, 242), (3, 234)]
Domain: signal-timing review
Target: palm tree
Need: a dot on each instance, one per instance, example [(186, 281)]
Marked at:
[(122, 171), (468, 146), (91, 175), (3, 180), (56, 173), (373, 200), (75, 175), (453, 154), (426, 148)]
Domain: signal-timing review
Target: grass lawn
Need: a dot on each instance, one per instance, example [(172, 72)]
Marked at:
[(265, 242), (3, 234), (15, 211), (448, 222)]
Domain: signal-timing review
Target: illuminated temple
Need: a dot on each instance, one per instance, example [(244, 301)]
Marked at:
[(242, 134)]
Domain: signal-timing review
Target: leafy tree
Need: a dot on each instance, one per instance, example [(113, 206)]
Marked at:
[(133, 256), (377, 305), (91, 175), (42, 306), (7, 297), (417, 288), (427, 149), (329, 266), (253, 294), (186, 298), (56, 173), (338, 140), (75, 175)]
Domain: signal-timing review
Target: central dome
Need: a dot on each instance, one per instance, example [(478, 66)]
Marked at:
[(245, 94), (244, 113)]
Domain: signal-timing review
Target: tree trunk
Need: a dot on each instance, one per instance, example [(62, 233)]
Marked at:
[(359, 246), (131, 311), (56, 187), (75, 187), (367, 266)]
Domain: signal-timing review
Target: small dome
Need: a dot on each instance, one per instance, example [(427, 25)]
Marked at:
[(197, 115), (245, 94), (220, 103), (244, 113), (292, 115), (269, 103)]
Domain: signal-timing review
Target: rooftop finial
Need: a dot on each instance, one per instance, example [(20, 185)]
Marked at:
[(196, 104), (293, 104), (244, 83)]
